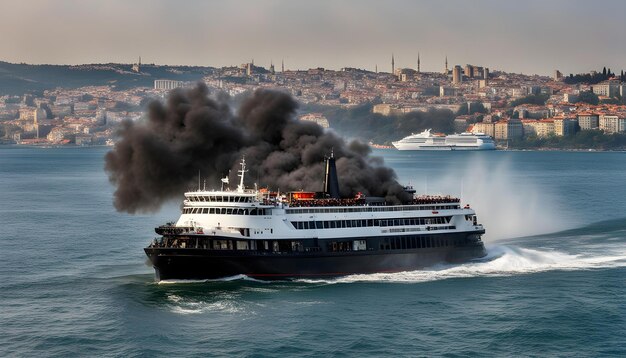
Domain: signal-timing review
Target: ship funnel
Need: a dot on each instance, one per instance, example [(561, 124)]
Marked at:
[(331, 182)]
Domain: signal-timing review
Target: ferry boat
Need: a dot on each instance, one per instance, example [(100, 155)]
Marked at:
[(429, 141), (263, 235)]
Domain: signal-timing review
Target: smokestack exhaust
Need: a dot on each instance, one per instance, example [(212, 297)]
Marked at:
[(158, 158)]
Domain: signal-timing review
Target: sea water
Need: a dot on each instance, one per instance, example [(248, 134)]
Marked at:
[(75, 281)]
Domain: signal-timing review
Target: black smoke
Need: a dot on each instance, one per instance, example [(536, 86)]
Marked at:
[(159, 158)]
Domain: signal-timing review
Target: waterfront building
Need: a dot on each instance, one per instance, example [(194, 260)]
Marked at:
[(612, 123), (484, 127), (565, 126), (539, 128), (509, 129), (318, 118), (167, 84), (588, 121)]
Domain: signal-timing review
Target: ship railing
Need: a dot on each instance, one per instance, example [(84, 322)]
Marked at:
[(175, 230)]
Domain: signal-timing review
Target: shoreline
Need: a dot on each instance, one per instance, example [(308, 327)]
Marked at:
[(377, 146)]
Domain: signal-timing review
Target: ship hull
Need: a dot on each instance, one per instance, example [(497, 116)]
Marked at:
[(198, 264), (445, 147)]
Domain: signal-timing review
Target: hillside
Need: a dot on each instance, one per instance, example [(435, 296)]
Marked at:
[(17, 79)]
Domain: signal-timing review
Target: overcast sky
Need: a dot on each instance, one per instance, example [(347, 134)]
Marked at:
[(530, 36)]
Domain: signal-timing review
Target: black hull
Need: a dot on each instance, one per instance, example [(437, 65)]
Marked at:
[(198, 264)]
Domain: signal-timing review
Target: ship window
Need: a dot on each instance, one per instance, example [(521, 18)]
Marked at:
[(220, 244), (242, 245), (205, 210), (319, 225), (305, 225), (326, 225)]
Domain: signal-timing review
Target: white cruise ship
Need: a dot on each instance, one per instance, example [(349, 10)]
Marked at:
[(429, 141)]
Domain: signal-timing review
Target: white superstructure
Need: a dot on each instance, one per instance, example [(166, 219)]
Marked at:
[(254, 214), (429, 141)]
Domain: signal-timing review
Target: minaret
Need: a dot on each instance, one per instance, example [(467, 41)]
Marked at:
[(282, 65), (376, 68), (393, 65), (418, 62), (445, 72)]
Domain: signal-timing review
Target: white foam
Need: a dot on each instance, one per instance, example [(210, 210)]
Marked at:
[(184, 305), (223, 279), (502, 260)]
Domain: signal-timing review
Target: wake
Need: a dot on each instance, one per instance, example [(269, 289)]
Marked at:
[(501, 260)]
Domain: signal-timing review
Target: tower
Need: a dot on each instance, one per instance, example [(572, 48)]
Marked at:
[(418, 62), (272, 71), (137, 66), (393, 65), (457, 74)]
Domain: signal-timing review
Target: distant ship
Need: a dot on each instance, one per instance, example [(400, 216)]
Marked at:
[(266, 235), (429, 141)]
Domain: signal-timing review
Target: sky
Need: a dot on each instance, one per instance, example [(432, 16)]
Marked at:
[(530, 36)]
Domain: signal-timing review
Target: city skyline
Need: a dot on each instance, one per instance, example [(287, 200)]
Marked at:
[(532, 37)]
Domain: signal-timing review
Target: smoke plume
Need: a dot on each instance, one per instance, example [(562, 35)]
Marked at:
[(160, 158)]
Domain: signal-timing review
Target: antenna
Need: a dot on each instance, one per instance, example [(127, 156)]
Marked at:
[(198, 179), (242, 172)]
